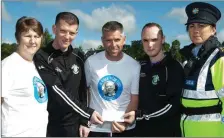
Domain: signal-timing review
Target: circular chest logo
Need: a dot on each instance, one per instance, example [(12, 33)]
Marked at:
[(110, 87), (40, 90)]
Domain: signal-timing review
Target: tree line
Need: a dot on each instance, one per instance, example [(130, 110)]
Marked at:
[(135, 50)]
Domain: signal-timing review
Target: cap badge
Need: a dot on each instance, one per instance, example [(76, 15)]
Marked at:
[(195, 10)]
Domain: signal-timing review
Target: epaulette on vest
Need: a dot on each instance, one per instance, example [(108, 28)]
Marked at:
[(221, 49)]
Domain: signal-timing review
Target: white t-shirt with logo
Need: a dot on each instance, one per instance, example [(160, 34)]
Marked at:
[(111, 84), (24, 110)]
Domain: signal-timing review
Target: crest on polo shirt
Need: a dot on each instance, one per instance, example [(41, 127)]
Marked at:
[(75, 69), (155, 79)]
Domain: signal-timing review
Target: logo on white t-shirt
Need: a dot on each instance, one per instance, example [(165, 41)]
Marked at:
[(110, 87), (40, 90)]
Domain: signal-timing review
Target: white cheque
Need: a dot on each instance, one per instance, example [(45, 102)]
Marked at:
[(113, 115)]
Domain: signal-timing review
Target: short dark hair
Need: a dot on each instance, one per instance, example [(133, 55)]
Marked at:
[(154, 24), (68, 17), (112, 26), (24, 24)]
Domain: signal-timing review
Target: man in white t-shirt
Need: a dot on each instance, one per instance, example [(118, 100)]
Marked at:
[(113, 81)]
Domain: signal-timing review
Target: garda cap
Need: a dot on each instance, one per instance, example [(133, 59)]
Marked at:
[(201, 12)]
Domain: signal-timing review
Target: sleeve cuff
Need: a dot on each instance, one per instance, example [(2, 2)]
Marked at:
[(138, 115), (84, 122)]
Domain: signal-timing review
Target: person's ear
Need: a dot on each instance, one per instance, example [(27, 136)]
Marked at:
[(214, 30), (124, 39), (102, 40), (54, 29), (163, 39)]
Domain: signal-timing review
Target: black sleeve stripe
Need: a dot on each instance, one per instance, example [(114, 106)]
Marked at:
[(70, 102)]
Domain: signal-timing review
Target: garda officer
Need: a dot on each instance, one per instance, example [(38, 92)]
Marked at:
[(203, 95)]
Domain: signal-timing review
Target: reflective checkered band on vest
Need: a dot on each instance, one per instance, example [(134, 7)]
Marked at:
[(207, 117), (204, 72), (220, 93), (200, 94)]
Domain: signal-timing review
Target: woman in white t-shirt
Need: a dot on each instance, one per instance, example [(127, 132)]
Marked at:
[(24, 95)]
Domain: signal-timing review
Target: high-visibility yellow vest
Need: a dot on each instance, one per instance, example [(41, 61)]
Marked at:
[(201, 105)]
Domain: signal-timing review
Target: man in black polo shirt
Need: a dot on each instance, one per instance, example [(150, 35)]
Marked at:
[(61, 68), (160, 88)]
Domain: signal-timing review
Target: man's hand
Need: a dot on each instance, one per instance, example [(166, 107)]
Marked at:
[(96, 118), (129, 117), (83, 131), (118, 127)]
